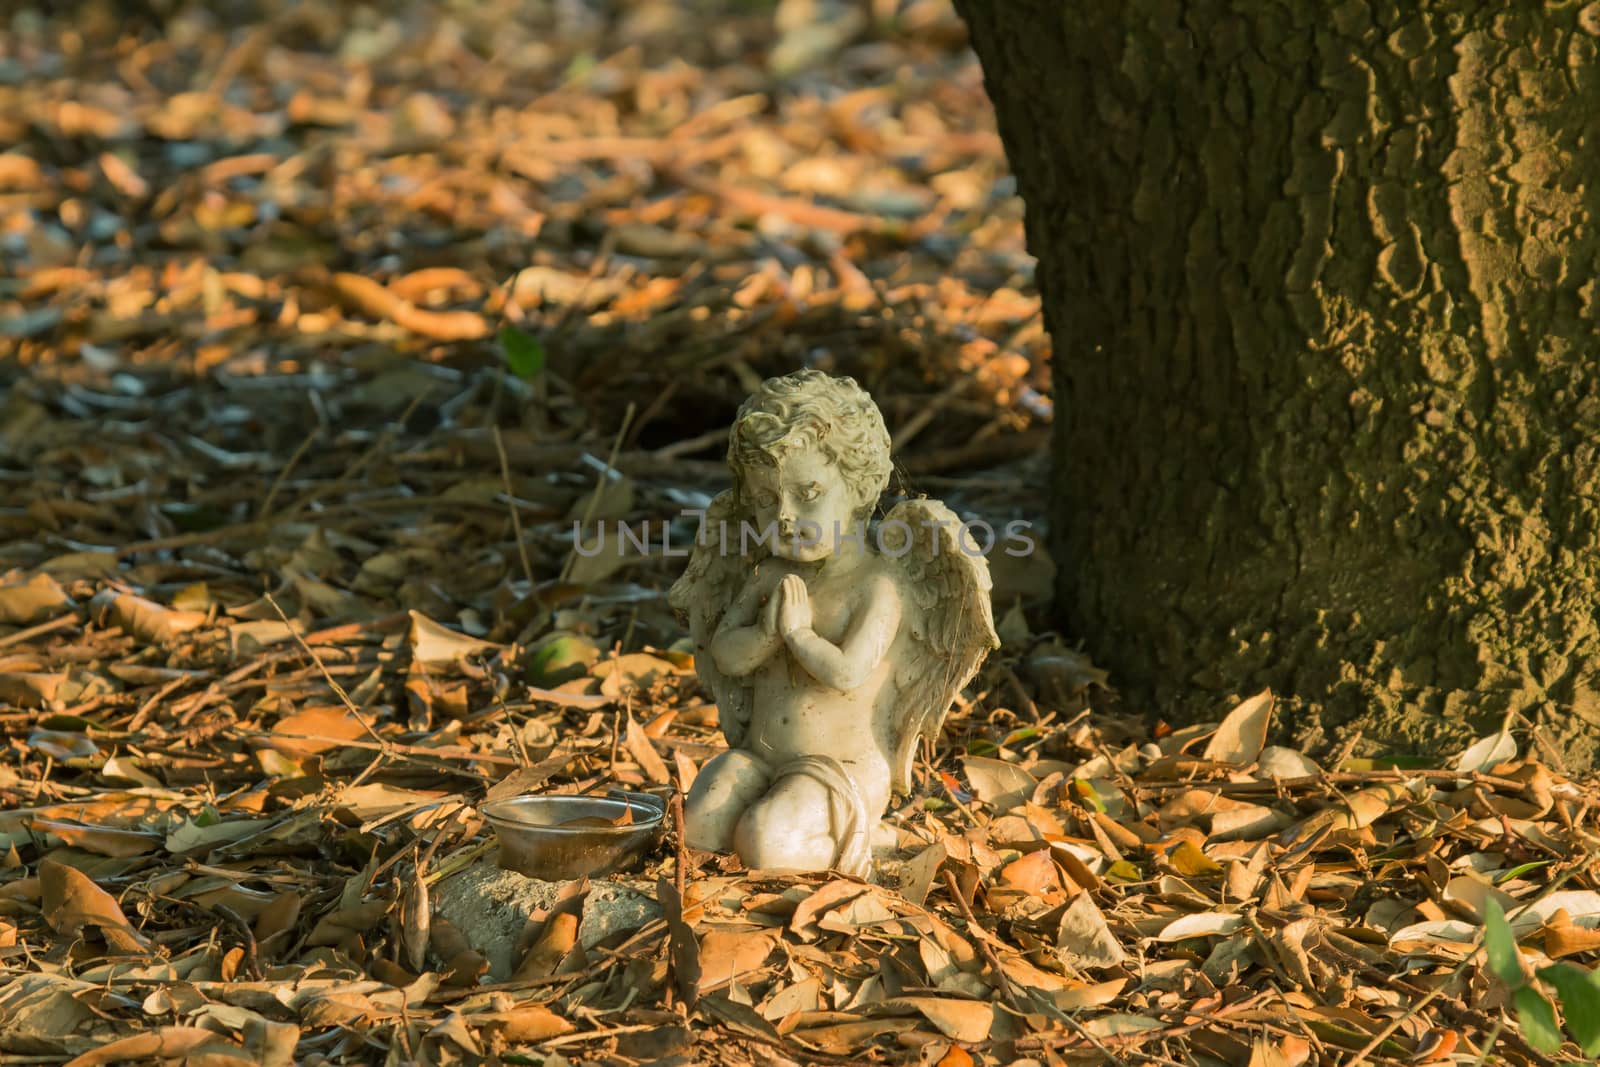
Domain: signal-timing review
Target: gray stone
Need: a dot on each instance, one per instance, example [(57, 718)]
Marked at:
[(491, 907)]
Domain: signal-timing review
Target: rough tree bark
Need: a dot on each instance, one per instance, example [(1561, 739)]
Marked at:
[(1322, 284)]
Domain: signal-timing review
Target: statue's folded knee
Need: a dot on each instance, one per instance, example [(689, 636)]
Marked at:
[(705, 828), (721, 793), (784, 836)]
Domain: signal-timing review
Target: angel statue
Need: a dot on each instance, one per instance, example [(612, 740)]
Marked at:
[(829, 649)]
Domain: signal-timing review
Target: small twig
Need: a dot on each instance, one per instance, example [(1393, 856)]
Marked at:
[(800, 210), (277, 483), (383, 440), (981, 936), (339, 690), (516, 520), (597, 270), (596, 1035), (1100, 1046), (616, 731), (60, 622), (1468, 1016), (333, 683), (657, 404), (679, 875), (989, 957), (445, 996), (678, 883), (1347, 748), (1269, 951), (1022, 691), (979, 451), (1488, 1043), (690, 445), (1305, 1031), (928, 411), (1200, 1019), (251, 959), (1326, 778), (256, 526), (465, 858), (599, 490), (139, 718), (392, 748), (951, 793)]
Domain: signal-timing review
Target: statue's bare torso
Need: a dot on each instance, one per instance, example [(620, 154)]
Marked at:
[(796, 715)]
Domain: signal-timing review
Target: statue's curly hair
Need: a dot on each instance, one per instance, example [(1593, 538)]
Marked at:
[(810, 407)]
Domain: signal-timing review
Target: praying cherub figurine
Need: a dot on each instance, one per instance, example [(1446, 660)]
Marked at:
[(829, 648)]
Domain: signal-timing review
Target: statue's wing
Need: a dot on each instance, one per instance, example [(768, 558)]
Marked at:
[(950, 624), (710, 583)]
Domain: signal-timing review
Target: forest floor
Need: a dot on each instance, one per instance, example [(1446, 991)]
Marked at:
[(322, 327)]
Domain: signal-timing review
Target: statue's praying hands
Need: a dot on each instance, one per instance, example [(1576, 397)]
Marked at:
[(793, 606)]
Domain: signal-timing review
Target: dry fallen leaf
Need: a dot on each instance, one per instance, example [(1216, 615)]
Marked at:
[(23, 603), (525, 1023), (437, 647), (1276, 762), (1188, 860), (644, 754), (558, 937), (1485, 753), (1083, 939), (1243, 733), (730, 953), (1034, 874), (166, 1042), (1437, 931), (314, 729), (999, 784), (151, 621), (960, 1020), (105, 840), (1201, 924), (72, 902), (415, 917)]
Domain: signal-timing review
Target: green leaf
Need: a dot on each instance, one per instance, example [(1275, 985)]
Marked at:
[(1538, 1018), (67, 723), (1580, 1003), (193, 518), (1084, 790), (981, 747), (1501, 945), (1016, 737), (581, 64), (1350, 1037), (1123, 871), (561, 658), (1517, 872), (524, 354)]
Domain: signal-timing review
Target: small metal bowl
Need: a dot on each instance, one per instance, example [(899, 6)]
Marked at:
[(534, 841)]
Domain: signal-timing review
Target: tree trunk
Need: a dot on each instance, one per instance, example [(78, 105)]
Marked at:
[(1322, 284)]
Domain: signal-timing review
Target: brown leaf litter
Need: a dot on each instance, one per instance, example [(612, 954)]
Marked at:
[(288, 583)]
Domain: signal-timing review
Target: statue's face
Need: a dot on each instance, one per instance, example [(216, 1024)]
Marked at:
[(804, 500)]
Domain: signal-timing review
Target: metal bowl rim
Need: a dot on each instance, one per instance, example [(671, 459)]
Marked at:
[(651, 820)]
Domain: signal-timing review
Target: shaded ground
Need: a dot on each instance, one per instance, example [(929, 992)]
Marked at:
[(287, 588)]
